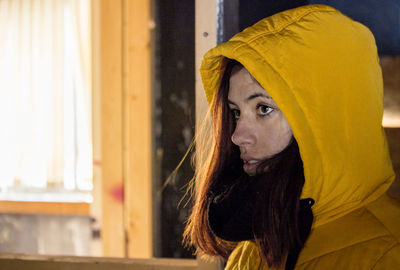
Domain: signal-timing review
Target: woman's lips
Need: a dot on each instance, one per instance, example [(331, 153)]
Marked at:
[(250, 166)]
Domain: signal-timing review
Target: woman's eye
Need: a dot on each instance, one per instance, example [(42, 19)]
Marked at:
[(264, 110), (235, 114)]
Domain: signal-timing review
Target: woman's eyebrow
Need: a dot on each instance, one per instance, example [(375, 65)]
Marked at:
[(252, 96), (256, 95), (231, 102)]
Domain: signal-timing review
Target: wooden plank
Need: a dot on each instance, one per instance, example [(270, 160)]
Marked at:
[(96, 245), (205, 39), (39, 262), (108, 61), (53, 208), (137, 131)]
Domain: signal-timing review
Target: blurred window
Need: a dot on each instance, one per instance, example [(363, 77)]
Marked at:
[(45, 100)]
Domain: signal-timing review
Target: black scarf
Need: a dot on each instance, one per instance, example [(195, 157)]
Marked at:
[(230, 216)]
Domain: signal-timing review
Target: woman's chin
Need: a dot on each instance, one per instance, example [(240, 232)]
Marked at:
[(253, 170), (250, 172)]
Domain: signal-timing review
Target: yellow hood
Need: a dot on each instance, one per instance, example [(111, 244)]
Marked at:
[(322, 69)]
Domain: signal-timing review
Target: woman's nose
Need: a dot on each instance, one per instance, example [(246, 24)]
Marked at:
[(243, 134)]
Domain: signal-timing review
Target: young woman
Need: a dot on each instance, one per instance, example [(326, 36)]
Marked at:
[(298, 168)]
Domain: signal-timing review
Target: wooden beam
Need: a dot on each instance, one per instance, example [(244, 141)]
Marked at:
[(41, 262), (96, 245), (123, 162), (137, 128), (205, 39), (107, 63), (53, 208)]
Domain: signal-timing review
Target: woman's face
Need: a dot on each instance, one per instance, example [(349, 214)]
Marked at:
[(261, 128)]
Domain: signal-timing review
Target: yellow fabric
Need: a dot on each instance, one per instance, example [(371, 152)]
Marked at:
[(245, 256), (322, 69)]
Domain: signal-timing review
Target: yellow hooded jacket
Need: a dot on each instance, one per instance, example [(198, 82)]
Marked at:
[(322, 69)]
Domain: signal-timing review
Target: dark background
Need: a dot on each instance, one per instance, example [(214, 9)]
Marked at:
[(174, 121), (382, 17)]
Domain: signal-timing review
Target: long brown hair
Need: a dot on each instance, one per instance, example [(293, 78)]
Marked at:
[(218, 163)]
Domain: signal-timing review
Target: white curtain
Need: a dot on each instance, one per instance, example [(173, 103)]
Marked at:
[(45, 94)]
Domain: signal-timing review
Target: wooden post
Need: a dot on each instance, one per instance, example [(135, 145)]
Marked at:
[(137, 127), (205, 39), (122, 84), (108, 172), (122, 67)]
